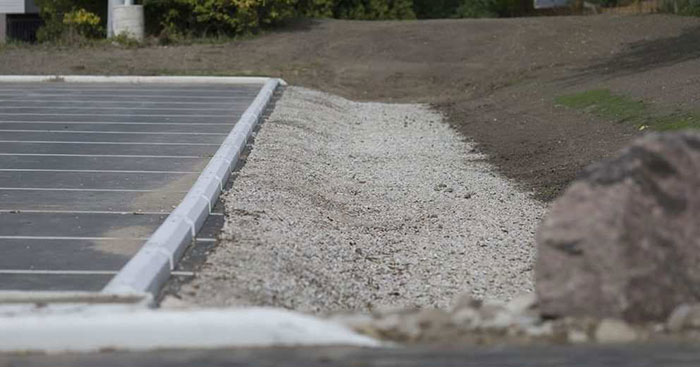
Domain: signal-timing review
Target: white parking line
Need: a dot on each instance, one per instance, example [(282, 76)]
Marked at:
[(87, 89), (102, 155), (58, 272), (79, 272), (116, 108), (112, 96), (104, 114), (109, 132), (34, 211), (116, 123), (80, 190), (72, 238), (103, 142), (92, 171), (135, 101)]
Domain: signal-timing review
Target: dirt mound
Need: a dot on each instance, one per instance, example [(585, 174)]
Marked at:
[(495, 79)]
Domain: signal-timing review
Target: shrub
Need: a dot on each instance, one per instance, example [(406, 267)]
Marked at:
[(83, 23), (433, 9), (373, 9), (492, 8), (215, 17), (53, 13)]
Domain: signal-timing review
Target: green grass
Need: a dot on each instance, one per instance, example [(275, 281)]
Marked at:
[(623, 109)]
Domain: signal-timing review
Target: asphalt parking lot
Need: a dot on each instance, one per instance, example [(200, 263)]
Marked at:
[(89, 171)]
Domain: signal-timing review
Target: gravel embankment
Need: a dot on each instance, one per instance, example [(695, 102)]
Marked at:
[(354, 206)]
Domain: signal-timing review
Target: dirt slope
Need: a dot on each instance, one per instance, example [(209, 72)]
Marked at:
[(495, 79)]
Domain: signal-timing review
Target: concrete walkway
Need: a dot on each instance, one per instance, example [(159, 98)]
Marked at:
[(89, 171)]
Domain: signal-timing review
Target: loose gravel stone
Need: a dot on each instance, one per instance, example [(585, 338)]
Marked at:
[(357, 206)]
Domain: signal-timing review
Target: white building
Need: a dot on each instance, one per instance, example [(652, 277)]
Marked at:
[(18, 19)]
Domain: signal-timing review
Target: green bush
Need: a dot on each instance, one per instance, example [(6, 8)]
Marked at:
[(206, 18), (53, 13), (434, 9), (83, 23), (172, 19), (682, 7), (373, 9), (492, 8)]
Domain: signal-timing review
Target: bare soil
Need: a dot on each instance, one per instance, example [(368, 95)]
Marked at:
[(496, 80)]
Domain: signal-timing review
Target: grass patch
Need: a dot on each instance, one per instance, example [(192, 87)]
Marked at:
[(618, 108)]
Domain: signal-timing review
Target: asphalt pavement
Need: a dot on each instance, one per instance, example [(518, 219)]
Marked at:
[(89, 170)]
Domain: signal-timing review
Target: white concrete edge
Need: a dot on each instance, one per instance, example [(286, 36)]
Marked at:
[(150, 268), (33, 298), (233, 80), (143, 329)]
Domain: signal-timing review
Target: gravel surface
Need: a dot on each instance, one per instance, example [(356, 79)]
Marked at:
[(358, 206)]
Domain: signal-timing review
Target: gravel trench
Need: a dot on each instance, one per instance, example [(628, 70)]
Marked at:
[(357, 206)]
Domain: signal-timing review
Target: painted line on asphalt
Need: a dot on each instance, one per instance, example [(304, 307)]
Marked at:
[(93, 171), (58, 272), (103, 114), (102, 155), (118, 103), (87, 96), (105, 142), (138, 79), (110, 132), (116, 108), (116, 123), (72, 238), (79, 272), (49, 211), (81, 189), (103, 89)]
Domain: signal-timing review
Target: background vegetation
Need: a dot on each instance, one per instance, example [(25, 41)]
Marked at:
[(177, 19)]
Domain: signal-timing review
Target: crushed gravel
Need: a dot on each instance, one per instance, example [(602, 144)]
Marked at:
[(359, 206)]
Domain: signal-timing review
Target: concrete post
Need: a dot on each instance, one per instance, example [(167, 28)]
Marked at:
[(110, 7), (3, 28)]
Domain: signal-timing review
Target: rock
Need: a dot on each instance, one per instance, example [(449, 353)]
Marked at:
[(495, 316), (354, 321), (466, 318), (465, 300), (624, 239), (522, 304), (412, 326), (574, 336), (684, 317), (614, 331), (173, 303)]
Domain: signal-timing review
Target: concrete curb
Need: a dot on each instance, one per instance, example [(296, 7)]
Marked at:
[(95, 329), (150, 268)]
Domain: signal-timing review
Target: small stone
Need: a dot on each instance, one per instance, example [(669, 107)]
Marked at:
[(614, 331), (440, 187), (173, 303), (465, 300), (576, 337), (354, 321), (467, 318), (539, 331), (522, 303), (684, 317)]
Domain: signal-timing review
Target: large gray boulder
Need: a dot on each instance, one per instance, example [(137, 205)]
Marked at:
[(624, 239)]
